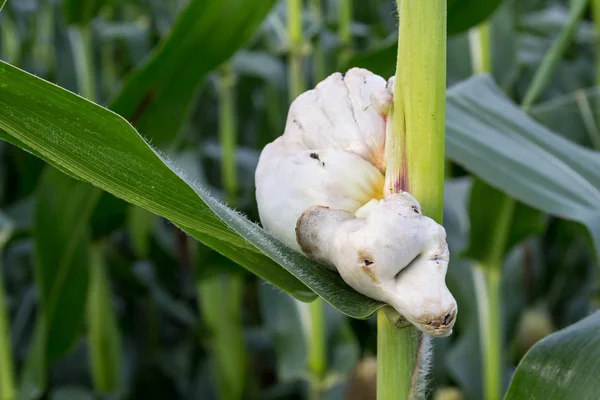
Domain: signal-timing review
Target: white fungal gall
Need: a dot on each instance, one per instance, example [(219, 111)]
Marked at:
[(320, 188)]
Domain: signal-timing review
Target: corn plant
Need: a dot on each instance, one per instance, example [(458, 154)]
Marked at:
[(132, 260)]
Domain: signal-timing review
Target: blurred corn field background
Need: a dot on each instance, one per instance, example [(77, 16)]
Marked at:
[(102, 299)]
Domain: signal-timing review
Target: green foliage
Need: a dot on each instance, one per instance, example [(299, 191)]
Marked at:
[(117, 159), (154, 312), (465, 14), (155, 99), (563, 365), (539, 168)]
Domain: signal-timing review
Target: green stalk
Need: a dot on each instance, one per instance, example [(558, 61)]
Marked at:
[(7, 375), (81, 45), (10, 40), (221, 296), (345, 31), (415, 163), (553, 56), (319, 59), (315, 335), (104, 337), (221, 304), (596, 17), (487, 280), (488, 272), (297, 84), (479, 41), (227, 134)]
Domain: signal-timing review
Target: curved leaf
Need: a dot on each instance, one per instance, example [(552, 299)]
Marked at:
[(492, 138), (564, 365), (101, 148), (465, 14), (156, 97)]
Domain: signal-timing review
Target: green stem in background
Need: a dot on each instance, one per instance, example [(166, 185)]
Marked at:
[(487, 281), (7, 374), (319, 56), (7, 377), (297, 83), (488, 273), (487, 277), (221, 304), (10, 40), (220, 296), (80, 38), (479, 41), (317, 346), (315, 332), (417, 165), (104, 338), (227, 133), (553, 56), (596, 17), (345, 31)]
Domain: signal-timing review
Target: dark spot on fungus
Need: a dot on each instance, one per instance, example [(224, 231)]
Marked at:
[(367, 265), (448, 318), (315, 156)]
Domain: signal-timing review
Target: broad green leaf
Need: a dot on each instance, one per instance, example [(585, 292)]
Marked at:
[(103, 149), (491, 137), (62, 210), (564, 365), (104, 337), (157, 96), (465, 14)]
